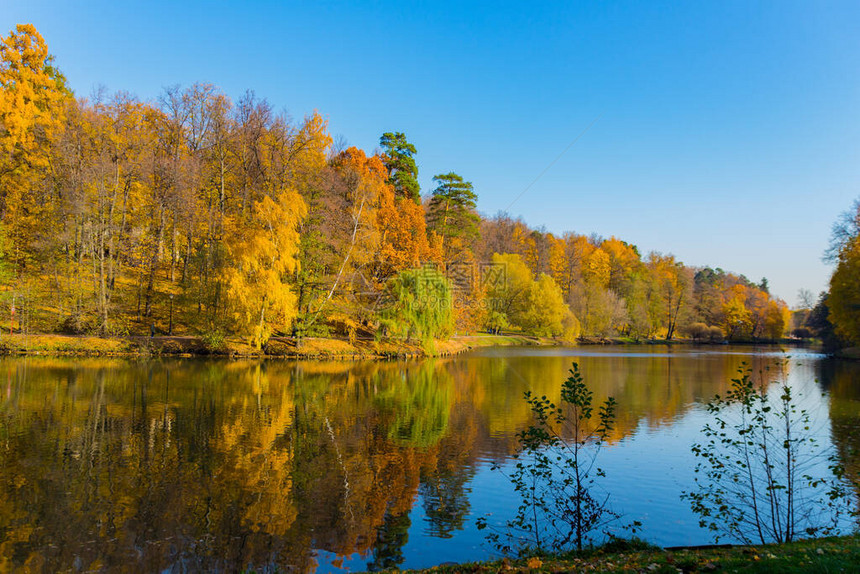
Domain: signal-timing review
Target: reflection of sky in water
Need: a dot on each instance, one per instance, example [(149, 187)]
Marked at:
[(621, 351), (646, 470), (459, 414)]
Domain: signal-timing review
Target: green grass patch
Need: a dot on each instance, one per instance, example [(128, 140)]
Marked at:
[(824, 555)]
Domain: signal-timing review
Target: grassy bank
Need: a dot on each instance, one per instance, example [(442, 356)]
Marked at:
[(825, 555), (308, 348)]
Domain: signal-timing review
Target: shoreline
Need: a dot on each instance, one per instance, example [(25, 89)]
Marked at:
[(310, 348), (832, 554)]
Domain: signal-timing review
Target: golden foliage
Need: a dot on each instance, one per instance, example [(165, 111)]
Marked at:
[(32, 109), (262, 251), (405, 243)]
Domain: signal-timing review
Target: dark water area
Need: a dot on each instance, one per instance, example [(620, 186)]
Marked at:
[(176, 465)]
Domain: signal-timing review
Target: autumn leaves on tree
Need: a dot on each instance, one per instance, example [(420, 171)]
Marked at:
[(206, 216)]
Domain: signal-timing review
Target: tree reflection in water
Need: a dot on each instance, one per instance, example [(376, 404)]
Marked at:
[(841, 379), (222, 466)]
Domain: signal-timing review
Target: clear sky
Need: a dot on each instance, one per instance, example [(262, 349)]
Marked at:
[(727, 133)]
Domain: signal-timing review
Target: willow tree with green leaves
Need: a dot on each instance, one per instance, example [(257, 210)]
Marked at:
[(419, 305)]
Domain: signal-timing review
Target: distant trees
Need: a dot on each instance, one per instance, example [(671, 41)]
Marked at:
[(509, 298), (698, 331), (601, 312), (819, 324), (547, 314), (673, 283), (535, 306), (739, 307)]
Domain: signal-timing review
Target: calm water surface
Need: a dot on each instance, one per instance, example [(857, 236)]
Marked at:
[(331, 466)]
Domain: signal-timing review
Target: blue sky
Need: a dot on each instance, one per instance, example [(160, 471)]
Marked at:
[(727, 133)]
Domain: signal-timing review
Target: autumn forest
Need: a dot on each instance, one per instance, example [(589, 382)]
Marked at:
[(202, 215), (390, 373)]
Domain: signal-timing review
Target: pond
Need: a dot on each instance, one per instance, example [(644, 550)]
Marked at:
[(332, 466)]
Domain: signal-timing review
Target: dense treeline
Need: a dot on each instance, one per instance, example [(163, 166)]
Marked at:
[(197, 214)]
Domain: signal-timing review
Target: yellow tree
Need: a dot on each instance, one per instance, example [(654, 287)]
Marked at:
[(346, 237), (509, 298), (536, 306), (32, 102), (262, 256), (527, 244), (777, 316), (97, 168), (305, 155), (623, 262), (297, 157), (673, 288), (558, 262), (547, 314), (366, 185), (32, 91), (596, 266), (757, 302), (530, 251), (567, 267), (844, 299), (736, 315)]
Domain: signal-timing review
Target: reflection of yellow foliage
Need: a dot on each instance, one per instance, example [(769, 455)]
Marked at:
[(655, 390), (284, 455)]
